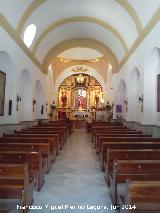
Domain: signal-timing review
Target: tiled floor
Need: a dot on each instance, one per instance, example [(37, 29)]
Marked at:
[(75, 183)]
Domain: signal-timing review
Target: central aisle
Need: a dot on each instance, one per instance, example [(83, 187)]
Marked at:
[(75, 179)]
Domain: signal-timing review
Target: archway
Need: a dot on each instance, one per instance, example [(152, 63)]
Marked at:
[(134, 107), (7, 67), (120, 108), (151, 116), (92, 72), (26, 96)]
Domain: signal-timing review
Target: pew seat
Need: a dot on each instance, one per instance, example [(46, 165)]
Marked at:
[(29, 144), (144, 195), (36, 167), (128, 154), (143, 170), (15, 183)]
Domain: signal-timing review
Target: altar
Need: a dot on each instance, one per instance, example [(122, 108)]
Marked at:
[(80, 115)]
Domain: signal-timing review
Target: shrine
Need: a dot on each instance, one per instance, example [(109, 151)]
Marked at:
[(79, 96)]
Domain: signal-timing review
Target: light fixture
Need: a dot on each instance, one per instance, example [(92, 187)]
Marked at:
[(140, 99), (18, 99), (126, 102), (34, 103)]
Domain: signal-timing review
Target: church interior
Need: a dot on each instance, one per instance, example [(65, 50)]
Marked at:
[(80, 106)]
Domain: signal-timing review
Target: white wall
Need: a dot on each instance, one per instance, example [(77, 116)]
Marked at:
[(14, 62), (146, 59)]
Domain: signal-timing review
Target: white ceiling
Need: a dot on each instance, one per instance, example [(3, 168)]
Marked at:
[(80, 53), (79, 30), (121, 18)]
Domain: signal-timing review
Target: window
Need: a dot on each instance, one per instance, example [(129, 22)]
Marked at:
[(29, 35)]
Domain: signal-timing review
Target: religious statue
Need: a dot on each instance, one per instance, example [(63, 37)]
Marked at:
[(80, 105), (64, 98), (97, 98)]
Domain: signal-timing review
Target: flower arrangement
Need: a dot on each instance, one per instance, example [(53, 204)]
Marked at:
[(52, 108), (109, 107)]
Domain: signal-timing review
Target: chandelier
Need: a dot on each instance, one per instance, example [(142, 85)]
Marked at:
[(80, 78), (79, 68)]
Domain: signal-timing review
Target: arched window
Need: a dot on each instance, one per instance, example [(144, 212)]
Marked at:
[(29, 34)]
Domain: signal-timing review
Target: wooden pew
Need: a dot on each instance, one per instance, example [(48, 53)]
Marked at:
[(120, 137), (52, 136), (134, 170), (42, 148), (128, 154), (98, 134), (104, 131), (4, 211), (31, 144), (33, 159), (46, 139), (126, 145), (15, 183), (106, 128), (60, 130), (144, 195), (67, 124)]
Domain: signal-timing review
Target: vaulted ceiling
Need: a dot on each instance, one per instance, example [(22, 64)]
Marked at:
[(112, 27)]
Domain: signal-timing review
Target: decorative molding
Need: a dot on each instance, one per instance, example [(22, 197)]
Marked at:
[(30, 9), (81, 43), (132, 12), (12, 33)]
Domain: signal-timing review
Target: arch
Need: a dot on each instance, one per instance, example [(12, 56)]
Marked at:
[(7, 66), (150, 87), (67, 72), (35, 4), (120, 97), (81, 43), (26, 95), (132, 12), (39, 97), (29, 10), (134, 92)]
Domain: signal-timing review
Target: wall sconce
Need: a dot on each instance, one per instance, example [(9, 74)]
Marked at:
[(126, 103), (18, 99), (46, 106), (140, 99), (34, 103)]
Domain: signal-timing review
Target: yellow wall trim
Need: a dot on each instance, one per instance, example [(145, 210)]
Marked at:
[(12, 33), (80, 19), (32, 7), (81, 42), (132, 12), (154, 20)]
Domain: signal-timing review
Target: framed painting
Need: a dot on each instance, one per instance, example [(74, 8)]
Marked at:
[(2, 91), (119, 108), (158, 93)]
